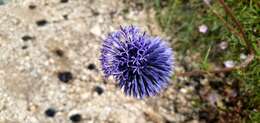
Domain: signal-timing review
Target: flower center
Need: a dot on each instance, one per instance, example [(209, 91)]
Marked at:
[(132, 60)]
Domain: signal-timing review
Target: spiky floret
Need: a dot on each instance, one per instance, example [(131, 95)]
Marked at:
[(141, 64)]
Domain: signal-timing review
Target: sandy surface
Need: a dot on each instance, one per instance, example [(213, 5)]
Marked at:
[(41, 38)]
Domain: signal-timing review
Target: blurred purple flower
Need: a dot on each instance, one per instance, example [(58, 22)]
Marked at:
[(141, 64)]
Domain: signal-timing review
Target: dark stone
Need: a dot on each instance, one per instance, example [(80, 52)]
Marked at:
[(50, 112), (65, 17), (24, 47), (99, 90), (187, 83), (64, 1), (27, 38), (76, 118), (91, 66), (41, 22), (59, 52), (65, 76), (32, 7), (94, 12)]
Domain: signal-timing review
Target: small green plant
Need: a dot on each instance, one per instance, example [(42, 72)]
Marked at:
[(205, 65), (231, 21)]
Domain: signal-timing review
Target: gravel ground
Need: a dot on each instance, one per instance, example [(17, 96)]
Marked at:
[(49, 51)]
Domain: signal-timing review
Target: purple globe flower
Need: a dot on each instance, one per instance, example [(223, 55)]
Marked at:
[(141, 64)]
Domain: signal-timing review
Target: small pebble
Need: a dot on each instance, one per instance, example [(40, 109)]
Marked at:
[(24, 47), (64, 1), (99, 90), (41, 22), (65, 76), (76, 118), (27, 38), (32, 7), (59, 52), (50, 112), (91, 66), (94, 12), (65, 17)]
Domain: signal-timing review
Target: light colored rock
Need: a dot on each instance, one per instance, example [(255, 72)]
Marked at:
[(96, 30)]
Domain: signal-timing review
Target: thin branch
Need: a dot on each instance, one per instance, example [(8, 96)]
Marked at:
[(244, 64), (228, 26), (228, 10), (238, 25), (222, 70)]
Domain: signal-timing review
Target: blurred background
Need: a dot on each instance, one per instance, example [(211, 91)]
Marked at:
[(50, 70)]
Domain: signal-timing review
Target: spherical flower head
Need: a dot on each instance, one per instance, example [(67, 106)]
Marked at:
[(141, 64)]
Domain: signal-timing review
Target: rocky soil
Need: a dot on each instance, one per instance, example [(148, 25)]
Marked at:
[(49, 51)]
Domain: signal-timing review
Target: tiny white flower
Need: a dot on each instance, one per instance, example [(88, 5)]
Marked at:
[(229, 63), (223, 45), (203, 28)]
